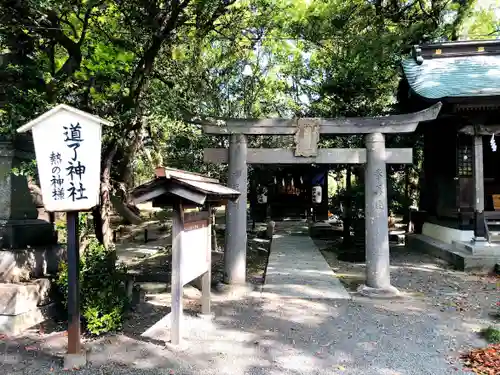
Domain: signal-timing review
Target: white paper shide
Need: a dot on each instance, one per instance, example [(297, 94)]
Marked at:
[(68, 154)]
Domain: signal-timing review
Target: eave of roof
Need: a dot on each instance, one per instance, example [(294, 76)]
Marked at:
[(188, 190), (464, 76)]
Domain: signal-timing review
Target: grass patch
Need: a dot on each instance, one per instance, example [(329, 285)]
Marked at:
[(492, 335)]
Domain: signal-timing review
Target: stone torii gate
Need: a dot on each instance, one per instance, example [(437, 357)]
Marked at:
[(307, 132)]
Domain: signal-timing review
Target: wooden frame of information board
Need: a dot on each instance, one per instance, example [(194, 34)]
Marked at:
[(191, 258)]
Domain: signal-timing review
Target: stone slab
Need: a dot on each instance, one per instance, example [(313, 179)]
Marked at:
[(296, 269), (12, 325), (17, 299), (478, 248), (459, 259)]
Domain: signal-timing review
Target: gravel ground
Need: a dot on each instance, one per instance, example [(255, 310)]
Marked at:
[(267, 337), (420, 334), (428, 281)]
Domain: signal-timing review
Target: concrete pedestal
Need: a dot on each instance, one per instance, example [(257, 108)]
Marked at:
[(75, 361), (378, 280), (236, 213)]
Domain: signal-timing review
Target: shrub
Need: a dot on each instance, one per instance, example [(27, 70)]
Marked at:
[(103, 297), (492, 335)]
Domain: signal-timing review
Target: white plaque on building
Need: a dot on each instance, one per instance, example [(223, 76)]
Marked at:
[(68, 155), (307, 137)]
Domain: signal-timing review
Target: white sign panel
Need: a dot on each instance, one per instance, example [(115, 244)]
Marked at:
[(68, 154), (195, 251)]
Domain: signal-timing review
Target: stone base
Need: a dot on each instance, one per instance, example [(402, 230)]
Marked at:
[(17, 299), (460, 259), (388, 292), (206, 317), (183, 345), (75, 361), (446, 234), (19, 234), (20, 265), (478, 248), (234, 290), (12, 325)]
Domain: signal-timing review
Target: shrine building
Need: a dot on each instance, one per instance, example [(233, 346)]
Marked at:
[(459, 208)]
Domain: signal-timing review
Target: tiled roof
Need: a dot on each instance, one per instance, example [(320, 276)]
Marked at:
[(464, 76), (186, 189)]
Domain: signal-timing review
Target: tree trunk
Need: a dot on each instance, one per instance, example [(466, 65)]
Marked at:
[(124, 172), (102, 213), (347, 220)]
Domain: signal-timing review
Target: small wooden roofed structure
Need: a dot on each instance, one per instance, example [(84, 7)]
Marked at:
[(193, 189), (191, 233), (460, 171)]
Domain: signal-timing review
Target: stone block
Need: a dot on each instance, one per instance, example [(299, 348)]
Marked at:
[(21, 265), (456, 256), (478, 248), (12, 325), (17, 299)]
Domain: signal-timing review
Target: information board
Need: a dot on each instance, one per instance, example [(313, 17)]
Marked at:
[(195, 252)]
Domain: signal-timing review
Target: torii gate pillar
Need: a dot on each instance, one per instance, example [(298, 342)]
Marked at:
[(378, 279), (235, 262)]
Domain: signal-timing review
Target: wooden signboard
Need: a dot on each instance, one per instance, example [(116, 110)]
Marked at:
[(195, 249)]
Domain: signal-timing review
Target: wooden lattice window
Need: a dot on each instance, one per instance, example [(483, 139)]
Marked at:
[(464, 160)]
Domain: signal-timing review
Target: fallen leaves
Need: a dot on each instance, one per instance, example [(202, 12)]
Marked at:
[(484, 361)]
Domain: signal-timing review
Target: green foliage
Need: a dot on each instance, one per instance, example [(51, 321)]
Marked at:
[(356, 196), (159, 69), (28, 169), (492, 335), (104, 300)]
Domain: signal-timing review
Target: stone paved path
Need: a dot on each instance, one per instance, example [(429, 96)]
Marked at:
[(297, 269)]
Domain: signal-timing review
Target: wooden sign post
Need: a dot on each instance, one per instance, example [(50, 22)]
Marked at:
[(68, 155)]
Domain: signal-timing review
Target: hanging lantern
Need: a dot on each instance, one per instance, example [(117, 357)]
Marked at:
[(316, 194)]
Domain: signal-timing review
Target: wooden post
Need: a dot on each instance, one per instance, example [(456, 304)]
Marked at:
[(236, 213), (206, 277), (74, 357), (176, 287), (478, 175)]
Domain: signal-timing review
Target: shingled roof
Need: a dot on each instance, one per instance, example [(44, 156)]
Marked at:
[(454, 70)]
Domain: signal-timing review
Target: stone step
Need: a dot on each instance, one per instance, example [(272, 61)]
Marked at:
[(19, 298), (23, 305)]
